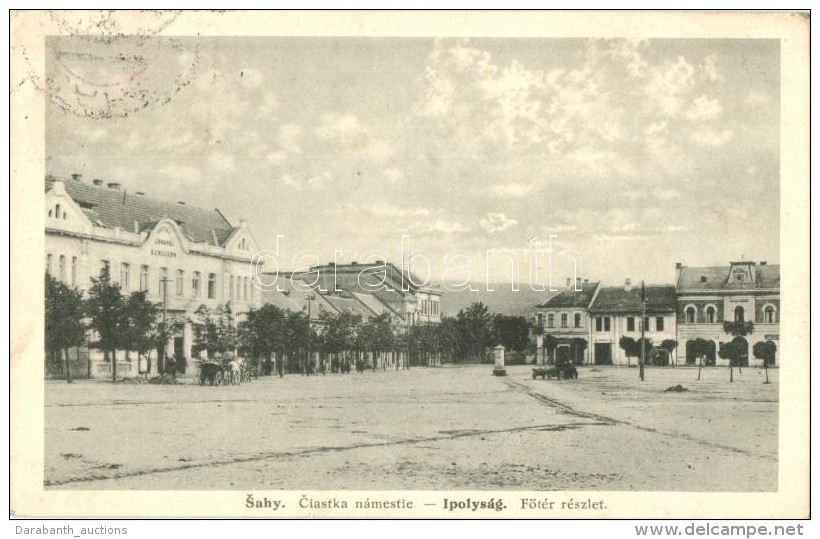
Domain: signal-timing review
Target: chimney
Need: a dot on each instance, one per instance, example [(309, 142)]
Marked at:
[(243, 223), (97, 181), (678, 265), (114, 185), (181, 203), (136, 227), (140, 193), (628, 284), (77, 177)]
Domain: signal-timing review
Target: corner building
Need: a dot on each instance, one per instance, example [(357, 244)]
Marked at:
[(183, 256), (743, 292)]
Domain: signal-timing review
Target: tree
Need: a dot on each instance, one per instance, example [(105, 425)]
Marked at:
[(475, 331), (630, 348), (64, 313), (765, 350), (701, 349), (669, 346), (734, 352), (139, 323), (106, 307), (512, 332)]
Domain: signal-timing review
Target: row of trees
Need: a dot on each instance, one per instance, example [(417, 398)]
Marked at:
[(120, 322), (131, 322), (463, 338)]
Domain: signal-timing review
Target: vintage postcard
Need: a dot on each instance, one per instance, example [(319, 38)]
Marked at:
[(409, 264)]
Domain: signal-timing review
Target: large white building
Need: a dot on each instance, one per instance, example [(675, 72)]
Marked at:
[(183, 256)]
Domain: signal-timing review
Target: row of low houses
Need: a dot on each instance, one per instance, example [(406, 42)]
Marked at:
[(184, 256), (588, 320)]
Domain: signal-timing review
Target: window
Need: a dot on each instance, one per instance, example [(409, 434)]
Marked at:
[(62, 268), (710, 315), (540, 319), (144, 278), (238, 288), (230, 287), (659, 323), (48, 264), (769, 314), (577, 320), (645, 325), (211, 285), (599, 323), (247, 288), (630, 323), (73, 271), (739, 314), (57, 211), (606, 323), (740, 276), (124, 274), (690, 315), (195, 284), (180, 282), (550, 320), (564, 318)]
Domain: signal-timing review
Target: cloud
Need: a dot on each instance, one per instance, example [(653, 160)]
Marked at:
[(351, 139), (221, 161), (251, 77), (712, 137), (509, 190), (388, 210), (181, 174), (704, 109), (496, 222), (394, 175), (289, 137)]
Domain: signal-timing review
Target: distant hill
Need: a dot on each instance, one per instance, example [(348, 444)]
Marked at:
[(501, 300)]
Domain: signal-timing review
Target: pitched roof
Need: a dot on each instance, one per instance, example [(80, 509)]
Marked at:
[(113, 208), (717, 278), (374, 304), (617, 299), (349, 304), (572, 298)]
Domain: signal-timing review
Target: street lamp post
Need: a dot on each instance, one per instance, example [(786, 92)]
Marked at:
[(164, 281), (643, 328)]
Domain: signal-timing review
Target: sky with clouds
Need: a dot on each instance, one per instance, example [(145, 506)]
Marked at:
[(634, 154)]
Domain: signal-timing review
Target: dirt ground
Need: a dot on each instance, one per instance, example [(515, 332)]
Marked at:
[(448, 428)]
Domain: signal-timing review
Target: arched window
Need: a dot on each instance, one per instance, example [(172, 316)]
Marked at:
[(711, 313), (769, 314), (690, 314), (739, 314)]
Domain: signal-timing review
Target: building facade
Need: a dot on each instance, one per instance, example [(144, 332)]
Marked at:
[(182, 256), (616, 312), (396, 289), (565, 318), (739, 302)]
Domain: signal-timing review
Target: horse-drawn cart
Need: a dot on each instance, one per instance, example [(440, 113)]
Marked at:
[(562, 371)]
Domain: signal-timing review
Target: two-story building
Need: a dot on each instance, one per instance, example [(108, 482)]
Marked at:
[(630, 311), (565, 318), (181, 255), (744, 294)]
